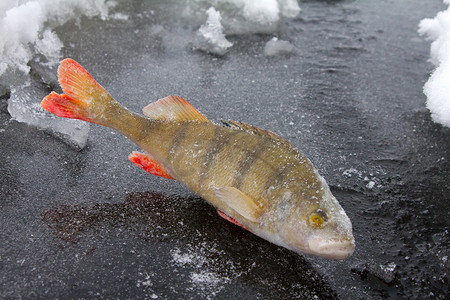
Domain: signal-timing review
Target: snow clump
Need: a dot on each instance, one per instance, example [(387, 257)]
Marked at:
[(276, 47), (27, 38), (437, 88), (23, 28), (210, 36)]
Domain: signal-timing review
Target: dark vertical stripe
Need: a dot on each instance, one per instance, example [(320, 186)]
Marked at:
[(177, 141), (278, 176), (247, 162), (217, 145)]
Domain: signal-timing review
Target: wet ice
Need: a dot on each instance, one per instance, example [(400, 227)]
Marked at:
[(23, 107)]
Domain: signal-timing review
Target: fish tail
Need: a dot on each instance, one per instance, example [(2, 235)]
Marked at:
[(84, 98)]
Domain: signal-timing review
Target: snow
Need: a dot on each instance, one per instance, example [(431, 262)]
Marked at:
[(210, 36), (22, 24), (437, 88), (206, 275), (50, 46), (26, 31), (276, 47), (244, 16)]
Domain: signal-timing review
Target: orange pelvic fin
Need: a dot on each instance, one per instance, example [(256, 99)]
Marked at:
[(149, 165), (228, 218), (173, 108)]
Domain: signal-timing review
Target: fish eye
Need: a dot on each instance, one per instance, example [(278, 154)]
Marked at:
[(318, 218)]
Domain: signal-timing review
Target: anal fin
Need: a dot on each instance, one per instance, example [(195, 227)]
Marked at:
[(149, 165)]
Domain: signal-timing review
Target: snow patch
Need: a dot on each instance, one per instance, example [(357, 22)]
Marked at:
[(437, 88), (246, 16), (207, 273), (23, 24), (27, 38), (276, 47), (210, 37)]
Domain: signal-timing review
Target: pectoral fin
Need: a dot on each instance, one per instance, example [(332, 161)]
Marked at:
[(147, 163), (239, 202)]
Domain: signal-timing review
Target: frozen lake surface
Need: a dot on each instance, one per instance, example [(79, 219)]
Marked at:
[(343, 82)]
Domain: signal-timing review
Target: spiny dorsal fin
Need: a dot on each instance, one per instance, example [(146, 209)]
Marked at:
[(239, 202), (253, 130), (173, 108)]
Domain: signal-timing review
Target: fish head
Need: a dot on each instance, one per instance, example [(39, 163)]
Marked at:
[(317, 226)]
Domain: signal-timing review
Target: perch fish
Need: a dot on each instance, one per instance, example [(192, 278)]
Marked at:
[(253, 177)]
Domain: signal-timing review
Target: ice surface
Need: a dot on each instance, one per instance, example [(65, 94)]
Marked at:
[(29, 22), (248, 16), (276, 47), (437, 88), (27, 38), (210, 37), (113, 239), (24, 108)]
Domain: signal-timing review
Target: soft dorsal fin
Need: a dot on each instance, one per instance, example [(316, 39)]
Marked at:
[(173, 108), (253, 130), (239, 202)]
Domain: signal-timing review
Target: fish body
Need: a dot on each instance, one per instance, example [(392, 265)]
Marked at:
[(254, 178)]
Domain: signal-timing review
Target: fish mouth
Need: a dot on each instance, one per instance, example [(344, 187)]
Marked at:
[(332, 248)]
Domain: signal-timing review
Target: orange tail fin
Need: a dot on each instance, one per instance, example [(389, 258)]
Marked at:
[(65, 106), (83, 98)]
